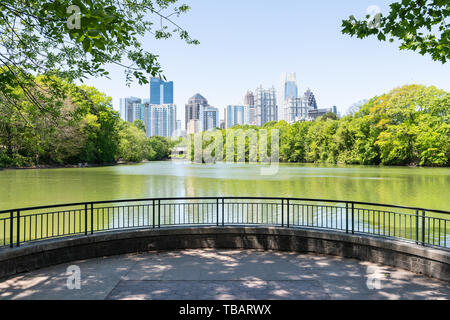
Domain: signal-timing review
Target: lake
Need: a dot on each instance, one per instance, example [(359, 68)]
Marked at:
[(423, 187)]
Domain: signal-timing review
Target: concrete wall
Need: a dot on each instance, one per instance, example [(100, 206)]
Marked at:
[(431, 262)]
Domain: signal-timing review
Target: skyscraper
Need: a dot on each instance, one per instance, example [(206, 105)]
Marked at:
[(296, 110), (161, 92), (249, 99), (235, 114), (210, 117), (290, 86), (192, 109), (310, 99), (290, 93), (159, 119), (266, 105), (130, 108)]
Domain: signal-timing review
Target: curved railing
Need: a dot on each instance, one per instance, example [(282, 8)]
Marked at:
[(422, 226)]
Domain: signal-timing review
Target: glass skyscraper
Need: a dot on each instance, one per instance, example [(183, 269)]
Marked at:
[(161, 92), (290, 94), (290, 86), (130, 108)]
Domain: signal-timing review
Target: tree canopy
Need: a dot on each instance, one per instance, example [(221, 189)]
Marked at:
[(409, 125), (419, 25), (82, 127), (76, 39)]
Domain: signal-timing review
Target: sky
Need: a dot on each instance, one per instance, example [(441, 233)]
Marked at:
[(247, 43)]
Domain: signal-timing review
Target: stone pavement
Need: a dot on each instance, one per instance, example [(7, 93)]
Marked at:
[(224, 274)]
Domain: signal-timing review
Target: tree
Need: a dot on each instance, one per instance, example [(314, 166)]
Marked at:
[(419, 25), (75, 39)]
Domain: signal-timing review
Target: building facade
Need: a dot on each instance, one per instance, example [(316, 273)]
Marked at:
[(310, 99), (193, 108), (130, 108), (296, 110), (249, 99), (239, 115), (210, 118), (159, 119), (289, 96), (266, 108), (161, 92)]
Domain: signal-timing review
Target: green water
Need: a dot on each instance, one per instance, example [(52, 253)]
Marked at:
[(423, 187)]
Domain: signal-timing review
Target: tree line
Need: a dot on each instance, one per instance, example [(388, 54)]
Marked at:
[(78, 126), (410, 125)]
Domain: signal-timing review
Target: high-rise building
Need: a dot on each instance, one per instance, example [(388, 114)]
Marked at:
[(192, 110), (249, 99), (266, 105), (290, 93), (161, 92), (310, 99), (290, 88), (210, 118), (296, 110), (130, 108), (236, 114), (159, 119)]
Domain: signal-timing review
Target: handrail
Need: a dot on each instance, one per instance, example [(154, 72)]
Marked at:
[(227, 198), (82, 218)]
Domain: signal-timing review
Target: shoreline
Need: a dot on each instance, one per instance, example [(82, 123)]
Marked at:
[(118, 163), (72, 166)]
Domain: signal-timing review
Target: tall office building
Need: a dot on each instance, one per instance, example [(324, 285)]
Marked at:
[(266, 105), (310, 99), (130, 108), (161, 92), (192, 109), (249, 99), (290, 88), (290, 93), (210, 117), (235, 114), (159, 119), (296, 110)]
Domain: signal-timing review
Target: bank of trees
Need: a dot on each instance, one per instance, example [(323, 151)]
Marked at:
[(80, 126), (408, 126)]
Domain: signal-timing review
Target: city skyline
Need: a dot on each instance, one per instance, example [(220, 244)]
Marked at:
[(305, 39)]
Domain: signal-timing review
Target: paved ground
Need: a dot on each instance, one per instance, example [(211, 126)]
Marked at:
[(224, 274)]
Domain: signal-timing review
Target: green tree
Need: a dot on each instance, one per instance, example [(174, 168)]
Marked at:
[(419, 25), (76, 39)]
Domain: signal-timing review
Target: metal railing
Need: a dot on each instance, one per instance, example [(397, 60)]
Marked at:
[(422, 226)]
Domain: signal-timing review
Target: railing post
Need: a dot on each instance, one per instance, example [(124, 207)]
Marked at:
[(18, 228), (353, 218), (85, 219), (417, 226), (159, 214), (223, 212), (282, 212), (217, 212), (11, 229), (92, 218), (153, 214), (288, 213), (346, 217), (423, 228)]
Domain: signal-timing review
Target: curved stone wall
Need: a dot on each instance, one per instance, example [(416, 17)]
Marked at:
[(428, 261)]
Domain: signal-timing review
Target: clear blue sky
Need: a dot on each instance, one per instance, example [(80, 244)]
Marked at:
[(245, 43)]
